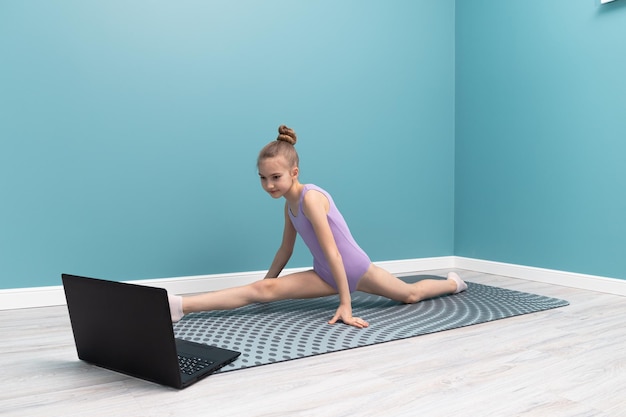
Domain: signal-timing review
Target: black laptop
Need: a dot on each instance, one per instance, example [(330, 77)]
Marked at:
[(127, 328)]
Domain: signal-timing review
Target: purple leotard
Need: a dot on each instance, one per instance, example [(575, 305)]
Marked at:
[(355, 260)]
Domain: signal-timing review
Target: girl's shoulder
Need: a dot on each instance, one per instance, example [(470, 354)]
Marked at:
[(318, 199), (313, 187), (308, 187)]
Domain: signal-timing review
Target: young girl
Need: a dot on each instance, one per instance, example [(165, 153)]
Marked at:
[(340, 266)]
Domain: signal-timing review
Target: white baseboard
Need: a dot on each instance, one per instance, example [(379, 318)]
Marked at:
[(54, 295), (549, 276)]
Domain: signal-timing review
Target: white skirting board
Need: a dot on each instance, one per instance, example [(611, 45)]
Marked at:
[(53, 295), (550, 276)]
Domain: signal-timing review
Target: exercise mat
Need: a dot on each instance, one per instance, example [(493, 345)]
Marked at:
[(290, 329)]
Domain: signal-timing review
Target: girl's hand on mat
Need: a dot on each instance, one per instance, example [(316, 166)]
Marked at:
[(345, 315)]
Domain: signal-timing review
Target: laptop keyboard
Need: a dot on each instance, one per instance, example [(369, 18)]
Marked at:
[(190, 365)]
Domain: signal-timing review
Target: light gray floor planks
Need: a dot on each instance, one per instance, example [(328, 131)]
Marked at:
[(565, 362)]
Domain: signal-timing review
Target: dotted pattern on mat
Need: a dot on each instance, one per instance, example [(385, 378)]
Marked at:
[(291, 329)]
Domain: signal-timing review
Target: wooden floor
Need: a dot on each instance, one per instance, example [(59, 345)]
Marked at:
[(569, 361)]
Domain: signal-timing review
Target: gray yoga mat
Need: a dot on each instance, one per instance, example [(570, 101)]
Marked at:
[(291, 329)]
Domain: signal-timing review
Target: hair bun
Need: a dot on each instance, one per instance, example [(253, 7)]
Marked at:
[(286, 134)]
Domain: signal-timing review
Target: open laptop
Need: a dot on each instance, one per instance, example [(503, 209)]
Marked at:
[(127, 328)]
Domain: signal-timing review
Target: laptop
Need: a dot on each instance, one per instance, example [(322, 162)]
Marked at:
[(127, 328)]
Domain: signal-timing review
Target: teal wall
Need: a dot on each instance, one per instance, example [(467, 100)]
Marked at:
[(129, 131), (541, 134)]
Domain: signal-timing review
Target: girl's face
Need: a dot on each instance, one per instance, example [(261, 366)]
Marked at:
[(277, 177)]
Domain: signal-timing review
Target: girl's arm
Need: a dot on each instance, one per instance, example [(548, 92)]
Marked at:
[(315, 206), (286, 249)]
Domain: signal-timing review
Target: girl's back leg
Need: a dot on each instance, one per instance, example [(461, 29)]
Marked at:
[(381, 282)]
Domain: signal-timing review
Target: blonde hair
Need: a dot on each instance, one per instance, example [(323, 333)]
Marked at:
[(284, 145)]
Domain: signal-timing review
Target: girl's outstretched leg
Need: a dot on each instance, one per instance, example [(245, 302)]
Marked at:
[(305, 284), (380, 282)]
